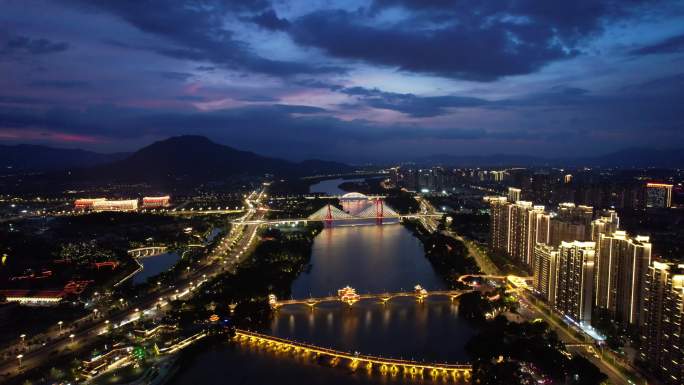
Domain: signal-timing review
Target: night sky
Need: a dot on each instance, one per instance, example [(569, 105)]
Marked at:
[(344, 79)]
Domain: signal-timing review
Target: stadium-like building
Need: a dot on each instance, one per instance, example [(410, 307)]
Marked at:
[(156, 202)]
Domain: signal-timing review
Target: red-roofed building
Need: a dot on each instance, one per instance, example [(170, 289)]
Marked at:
[(156, 202)]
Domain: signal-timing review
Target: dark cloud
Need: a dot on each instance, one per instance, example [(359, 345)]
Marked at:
[(270, 20), (182, 76), (22, 100), (468, 39), (670, 45), (191, 98), (463, 51), (31, 46), (316, 83), (411, 104), (296, 127), (257, 98), (195, 30), (64, 84)]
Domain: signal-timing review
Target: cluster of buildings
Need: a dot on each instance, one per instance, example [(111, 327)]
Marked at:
[(582, 262), (427, 179), (104, 204)]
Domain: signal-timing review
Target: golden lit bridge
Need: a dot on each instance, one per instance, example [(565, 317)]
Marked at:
[(349, 296), (143, 252), (391, 366)]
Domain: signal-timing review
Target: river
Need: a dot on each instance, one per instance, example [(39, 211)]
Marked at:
[(155, 265), (371, 259), (331, 186)]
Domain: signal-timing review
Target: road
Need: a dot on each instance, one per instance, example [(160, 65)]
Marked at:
[(431, 224), (225, 257), (615, 376)]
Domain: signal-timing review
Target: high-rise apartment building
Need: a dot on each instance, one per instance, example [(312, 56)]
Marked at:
[(545, 272), (513, 194), (567, 178), (621, 264), (575, 282), (662, 331), (572, 223), (524, 221), (498, 176), (498, 223), (572, 212), (515, 228), (658, 195), (607, 222)]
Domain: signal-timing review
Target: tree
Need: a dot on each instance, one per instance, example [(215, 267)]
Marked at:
[(139, 353), (56, 374), (583, 372), (473, 307)]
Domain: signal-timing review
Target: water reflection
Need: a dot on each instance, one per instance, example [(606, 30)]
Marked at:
[(401, 328), (370, 258)]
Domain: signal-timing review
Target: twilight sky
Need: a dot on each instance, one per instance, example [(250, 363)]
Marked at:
[(345, 79)]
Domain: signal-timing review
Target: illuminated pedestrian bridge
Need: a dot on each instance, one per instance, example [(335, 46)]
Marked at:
[(349, 296), (355, 361)]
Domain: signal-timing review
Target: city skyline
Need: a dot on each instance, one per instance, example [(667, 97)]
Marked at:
[(345, 80)]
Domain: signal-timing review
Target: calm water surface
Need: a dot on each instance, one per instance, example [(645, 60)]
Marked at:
[(155, 265), (331, 186), (371, 259)]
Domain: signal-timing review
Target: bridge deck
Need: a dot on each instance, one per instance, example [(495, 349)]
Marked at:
[(294, 220), (391, 365), (381, 296)]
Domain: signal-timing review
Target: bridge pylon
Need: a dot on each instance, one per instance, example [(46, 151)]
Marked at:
[(379, 210)]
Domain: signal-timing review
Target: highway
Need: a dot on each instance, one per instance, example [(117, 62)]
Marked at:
[(223, 258)]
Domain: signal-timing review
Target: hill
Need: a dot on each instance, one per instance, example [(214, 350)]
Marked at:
[(33, 158), (196, 158)]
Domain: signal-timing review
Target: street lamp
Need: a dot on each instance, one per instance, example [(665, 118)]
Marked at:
[(19, 357), (23, 339), (71, 336), (60, 326)]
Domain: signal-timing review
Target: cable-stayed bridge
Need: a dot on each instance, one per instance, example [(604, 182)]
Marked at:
[(329, 214), (356, 208)]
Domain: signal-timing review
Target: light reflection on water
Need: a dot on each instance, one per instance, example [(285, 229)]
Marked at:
[(404, 327), (372, 259)]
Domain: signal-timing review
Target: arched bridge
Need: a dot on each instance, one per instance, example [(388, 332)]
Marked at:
[(349, 296), (456, 372), (143, 252)]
